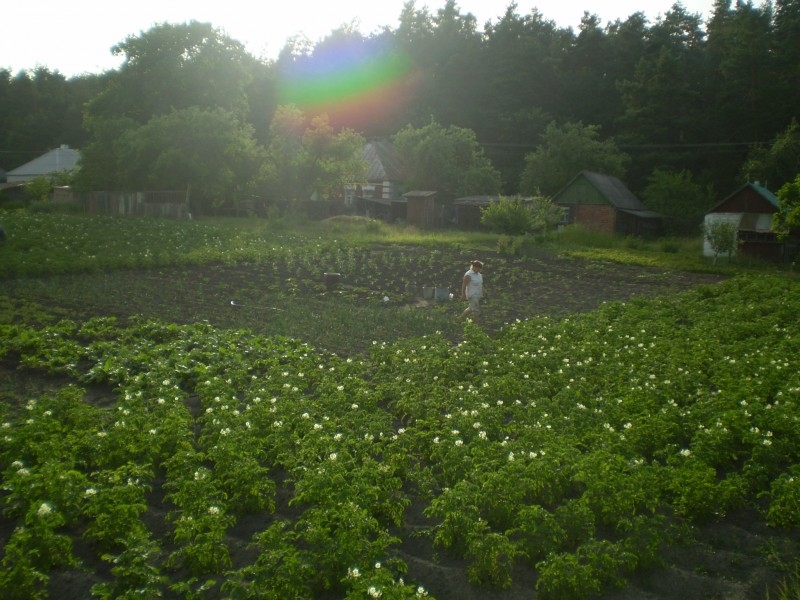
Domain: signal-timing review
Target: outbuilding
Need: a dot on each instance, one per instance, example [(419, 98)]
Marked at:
[(421, 209), (750, 208), (603, 203)]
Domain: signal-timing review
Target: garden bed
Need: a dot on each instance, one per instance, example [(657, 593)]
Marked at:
[(289, 297)]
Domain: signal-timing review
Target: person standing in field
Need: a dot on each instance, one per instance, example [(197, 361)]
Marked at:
[(472, 290)]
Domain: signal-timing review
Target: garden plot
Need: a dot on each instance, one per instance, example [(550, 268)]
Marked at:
[(645, 449), (349, 316)]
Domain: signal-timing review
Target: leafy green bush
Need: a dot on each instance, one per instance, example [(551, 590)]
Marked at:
[(721, 235), (789, 214), (517, 216), (38, 188)]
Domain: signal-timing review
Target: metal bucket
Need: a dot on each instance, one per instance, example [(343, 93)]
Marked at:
[(442, 293), (427, 292)]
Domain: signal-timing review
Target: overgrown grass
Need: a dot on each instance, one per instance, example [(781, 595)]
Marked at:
[(677, 253), (66, 243), (58, 243), (789, 587)]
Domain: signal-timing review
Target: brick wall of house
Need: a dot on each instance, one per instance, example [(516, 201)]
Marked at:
[(597, 217)]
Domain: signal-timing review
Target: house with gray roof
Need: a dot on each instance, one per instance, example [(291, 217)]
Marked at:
[(57, 160), (603, 203), (384, 163), (380, 196)]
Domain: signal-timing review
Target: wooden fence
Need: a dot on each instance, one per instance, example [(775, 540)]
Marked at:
[(166, 204)]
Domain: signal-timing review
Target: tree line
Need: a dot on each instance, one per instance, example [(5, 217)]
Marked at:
[(683, 111)]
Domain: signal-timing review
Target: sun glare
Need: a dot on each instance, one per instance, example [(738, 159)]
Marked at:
[(353, 82)]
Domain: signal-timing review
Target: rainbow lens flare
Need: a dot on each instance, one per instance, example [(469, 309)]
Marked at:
[(357, 83)]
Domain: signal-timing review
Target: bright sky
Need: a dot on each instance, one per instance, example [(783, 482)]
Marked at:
[(76, 37)]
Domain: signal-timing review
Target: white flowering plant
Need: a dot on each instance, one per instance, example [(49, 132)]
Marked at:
[(115, 503), (33, 550), (564, 447), (382, 579)]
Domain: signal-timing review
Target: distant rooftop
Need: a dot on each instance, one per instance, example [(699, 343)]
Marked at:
[(59, 159)]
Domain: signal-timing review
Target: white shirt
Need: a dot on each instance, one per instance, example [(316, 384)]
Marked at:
[(475, 285)]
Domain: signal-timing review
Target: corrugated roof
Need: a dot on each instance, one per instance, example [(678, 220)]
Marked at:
[(615, 192), (476, 200), (384, 162), (59, 159)]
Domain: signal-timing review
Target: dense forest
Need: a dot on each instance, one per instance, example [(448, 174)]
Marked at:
[(675, 103)]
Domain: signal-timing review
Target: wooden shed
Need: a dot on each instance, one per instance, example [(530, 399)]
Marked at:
[(421, 208), (750, 208), (603, 203)]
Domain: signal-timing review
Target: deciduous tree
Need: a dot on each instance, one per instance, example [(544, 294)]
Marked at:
[(210, 151), (788, 217), (447, 160), (41, 110), (722, 237), (564, 152), (678, 197), (309, 159), (172, 67), (779, 163)]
